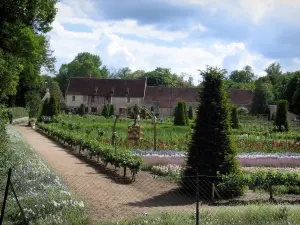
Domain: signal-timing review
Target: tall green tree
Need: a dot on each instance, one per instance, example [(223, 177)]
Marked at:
[(45, 109), (244, 76), (34, 103), (296, 99), (273, 72), (105, 111), (234, 117), (53, 109), (281, 119), (22, 36), (191, 113), (211, 150), (111, 110), (84, 64), (263, 95), (180, 113)]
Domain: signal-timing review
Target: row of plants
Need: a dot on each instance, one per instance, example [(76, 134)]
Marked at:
[(261, 179), (102, 151)]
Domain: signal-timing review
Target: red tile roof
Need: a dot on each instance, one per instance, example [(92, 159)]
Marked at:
[(107, 87), (168, 96)]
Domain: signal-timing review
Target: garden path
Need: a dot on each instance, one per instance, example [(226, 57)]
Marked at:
[(106, 194)]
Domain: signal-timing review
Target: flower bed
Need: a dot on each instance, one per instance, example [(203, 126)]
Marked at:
[(42, 194), (245, 159)]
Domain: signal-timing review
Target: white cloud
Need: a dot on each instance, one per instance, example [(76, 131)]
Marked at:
[(116, 52)]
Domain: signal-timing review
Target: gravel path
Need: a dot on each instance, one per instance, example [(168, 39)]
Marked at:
[(107, 195)]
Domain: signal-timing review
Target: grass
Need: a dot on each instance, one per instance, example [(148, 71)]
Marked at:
[(239, 215)]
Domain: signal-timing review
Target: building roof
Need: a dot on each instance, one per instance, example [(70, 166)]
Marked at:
[(168, 96), (107, 87)]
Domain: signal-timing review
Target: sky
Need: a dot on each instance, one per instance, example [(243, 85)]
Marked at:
[(183, 35)]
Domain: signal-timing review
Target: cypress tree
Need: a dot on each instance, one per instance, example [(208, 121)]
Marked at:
[(211, 150), (45, 110), (234, 117), (105, 111), (111, 110), (191, 113), (53, 108), (281, 119), (180, 114), (186, 117), (81, 110)]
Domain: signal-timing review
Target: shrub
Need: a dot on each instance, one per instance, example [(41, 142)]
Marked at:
[(81, 110), (211, 150), (234, 118), (34, 103), (53, 106), (180, 114), (191, 113), (105, 111), (242, 111), (143, 113), (111, 110), (45, 110), (281, 120), (185, 113)]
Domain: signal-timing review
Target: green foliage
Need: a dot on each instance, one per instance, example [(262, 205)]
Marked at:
[(273, 72), (34, 103), (74, 138), (263, 96), (152, 109), (296, 99), (281, 119), (136, 110), (234, 117), (10, 68), (105, 111), (143, 113), (83, 65), (180, 114), (111, 110), (191, 113), (81, 110), (211, 149), (244, 76), (53, 107), (45, 109), (242, 111)]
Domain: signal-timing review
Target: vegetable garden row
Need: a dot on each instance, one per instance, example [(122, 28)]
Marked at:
[(104, 152)]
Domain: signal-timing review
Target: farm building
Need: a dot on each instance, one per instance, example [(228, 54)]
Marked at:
[(124, 93)]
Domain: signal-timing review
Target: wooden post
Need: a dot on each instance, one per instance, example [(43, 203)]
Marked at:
[(155, 133)]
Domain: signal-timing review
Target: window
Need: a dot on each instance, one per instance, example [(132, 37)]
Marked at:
[(73, 98), (128, 99)]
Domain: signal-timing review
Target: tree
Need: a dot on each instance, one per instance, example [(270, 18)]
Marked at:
[(180, 114), (53, 107), (159, 77), (81, 110), (244, 76), (281, 120), (211, 150), (105, 111), (291, 89), (191, 113), (143, 113), (186, 117), (234, 117), (111, 110), (273, 72), (45, 109), (34, 103), (296, 99), (242, 111), (22, 38), (263, 96), (84, 64), (136, 110)]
